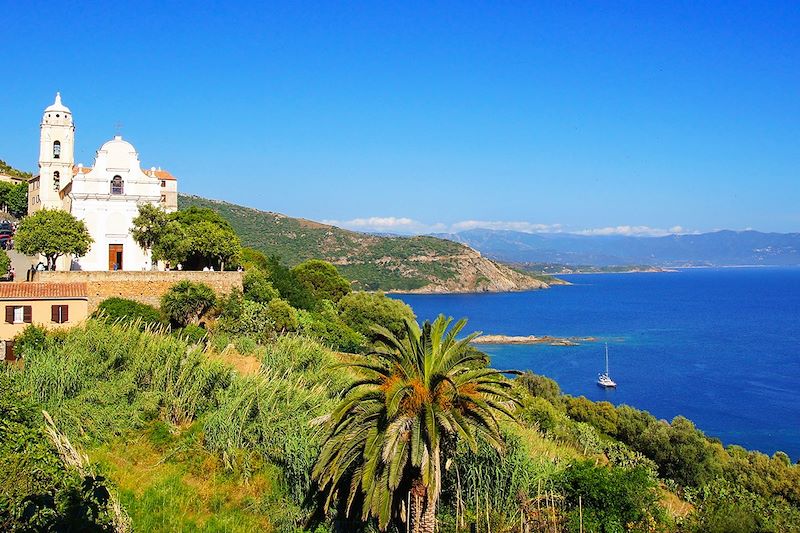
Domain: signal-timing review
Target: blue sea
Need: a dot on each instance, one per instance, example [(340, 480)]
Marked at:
[(718, 346)]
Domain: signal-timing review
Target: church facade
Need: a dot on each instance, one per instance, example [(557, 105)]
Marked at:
[(105, 196)]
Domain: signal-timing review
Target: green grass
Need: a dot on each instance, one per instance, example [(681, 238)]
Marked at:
[(174, 484)]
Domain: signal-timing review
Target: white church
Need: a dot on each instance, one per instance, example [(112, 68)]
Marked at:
[(106, 196)]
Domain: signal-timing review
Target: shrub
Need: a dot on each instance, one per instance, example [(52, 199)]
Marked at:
[(130, 311), (362, 310), (601, 415), (289, 285), (185, 302), (283, 317), (253, 320), (193, 334), (541, 386), (322, 280), (615, 499), (257, 287), (540, 412), (5, 262), (230, 305), (31, 339), (331, 332)]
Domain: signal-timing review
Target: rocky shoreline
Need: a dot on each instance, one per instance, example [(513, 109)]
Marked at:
[(532, 339)]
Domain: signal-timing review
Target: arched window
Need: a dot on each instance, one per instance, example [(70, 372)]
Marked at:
[(57, 150), (117, 185), (56, 180)]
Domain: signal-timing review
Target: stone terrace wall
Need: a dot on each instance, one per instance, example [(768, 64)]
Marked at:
[(146, 287)]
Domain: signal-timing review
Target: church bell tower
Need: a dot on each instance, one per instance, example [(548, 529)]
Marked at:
[(56, 155)]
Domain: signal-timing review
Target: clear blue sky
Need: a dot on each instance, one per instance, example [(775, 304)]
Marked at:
[(583, 115)]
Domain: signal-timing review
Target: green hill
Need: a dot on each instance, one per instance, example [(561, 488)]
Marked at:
[(8, 170), (424, 264)]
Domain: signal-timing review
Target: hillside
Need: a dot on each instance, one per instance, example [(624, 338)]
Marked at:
[(412, 264), (146, 431), (719, 248), (8, 170)]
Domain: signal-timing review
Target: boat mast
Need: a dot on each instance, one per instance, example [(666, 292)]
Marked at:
[(606, 359)]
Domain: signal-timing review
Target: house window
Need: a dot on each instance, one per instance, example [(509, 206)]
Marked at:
[(163, 183), (57, 150), (18, 314), (59, 313), (56, 180), (117, 185)]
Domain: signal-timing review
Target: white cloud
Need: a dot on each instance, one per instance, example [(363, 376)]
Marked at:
[(402, 225), (527, 227), (410, 226), (633, 231)]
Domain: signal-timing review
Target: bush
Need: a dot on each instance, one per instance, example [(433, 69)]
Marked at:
[(613, 498), (185, 302), (541, 386), (601, 415), (330, 331), (362, 310), (283, 317), (289, 285), (192, 334), (129, 311), (5, 262), (257, 287), (540, 412), (253, 320), (230, 305), (31, 339), (322, 280)]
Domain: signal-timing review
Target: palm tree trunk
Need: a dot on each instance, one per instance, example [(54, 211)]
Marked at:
[(423, 511)]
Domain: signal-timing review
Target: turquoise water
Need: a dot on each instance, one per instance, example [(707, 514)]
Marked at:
[(719, 346)]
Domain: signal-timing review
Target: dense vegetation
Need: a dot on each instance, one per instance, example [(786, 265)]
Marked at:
[(217, 423), (373, 262), (195, 238)]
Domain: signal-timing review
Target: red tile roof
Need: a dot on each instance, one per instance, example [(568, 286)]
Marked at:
[(42, 290), (160, 174)]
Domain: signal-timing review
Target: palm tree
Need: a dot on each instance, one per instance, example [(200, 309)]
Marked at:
[(383, 449)]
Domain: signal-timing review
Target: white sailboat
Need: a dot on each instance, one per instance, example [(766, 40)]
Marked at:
[(603, 379)]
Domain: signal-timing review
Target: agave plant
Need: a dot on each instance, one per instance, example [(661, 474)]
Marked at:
[(383, 449)]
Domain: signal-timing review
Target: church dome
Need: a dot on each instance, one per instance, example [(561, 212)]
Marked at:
[(117, 144), (57, 106), (119, 150)]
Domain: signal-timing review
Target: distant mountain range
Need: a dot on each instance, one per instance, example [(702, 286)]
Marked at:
[(719, 248)]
